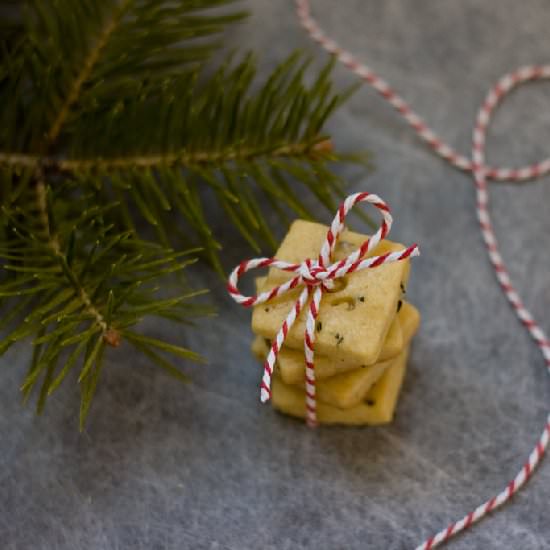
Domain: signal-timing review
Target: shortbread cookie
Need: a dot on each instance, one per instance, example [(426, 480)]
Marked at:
[(377, 408), (349, 389), (290, 365), (354, 319), (291, 362), (393, 344), (304, 240), (260, 348), (343, 390)]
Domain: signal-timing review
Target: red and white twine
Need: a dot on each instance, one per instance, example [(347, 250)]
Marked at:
[(481, 173), (316, 276)]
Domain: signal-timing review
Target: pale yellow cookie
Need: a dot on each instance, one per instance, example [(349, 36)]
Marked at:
[(393, 343), (343, 390), (377, 408), (409, 319), (304, 240), (350, 388), (260, 348), (355, 318), (292, 360)]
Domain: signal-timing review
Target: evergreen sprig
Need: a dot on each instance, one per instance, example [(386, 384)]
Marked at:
[(116, 128)]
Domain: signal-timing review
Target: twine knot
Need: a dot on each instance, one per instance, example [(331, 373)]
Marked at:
[(313, 273)]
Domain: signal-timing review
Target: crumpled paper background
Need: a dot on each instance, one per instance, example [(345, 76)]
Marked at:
[(205, 466)]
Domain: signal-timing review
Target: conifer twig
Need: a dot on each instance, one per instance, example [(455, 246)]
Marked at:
[(110, 335), (84, 74), (308, 148)]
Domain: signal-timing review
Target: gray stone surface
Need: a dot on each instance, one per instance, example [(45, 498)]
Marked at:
[(206, 467)]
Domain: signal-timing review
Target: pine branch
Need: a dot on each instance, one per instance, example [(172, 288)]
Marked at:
[(220, 134), (82, 296), (109, 333), (67, 54), (116, 130)]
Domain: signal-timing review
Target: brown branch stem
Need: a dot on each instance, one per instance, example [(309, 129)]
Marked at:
[(110, 335), (182, 158)]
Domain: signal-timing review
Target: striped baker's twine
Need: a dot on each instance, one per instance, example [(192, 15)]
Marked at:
[(418, 124), (481, 173), (316, 276)]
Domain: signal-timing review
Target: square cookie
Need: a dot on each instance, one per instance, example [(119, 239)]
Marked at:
[(292, 360), (304, 240), (291, 369), (355, 318), (351, 388), (377, 408)]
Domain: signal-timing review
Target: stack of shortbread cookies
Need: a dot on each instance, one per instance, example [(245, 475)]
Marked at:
[(363, 333)]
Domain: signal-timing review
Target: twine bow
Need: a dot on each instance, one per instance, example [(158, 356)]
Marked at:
[(316, 276)]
